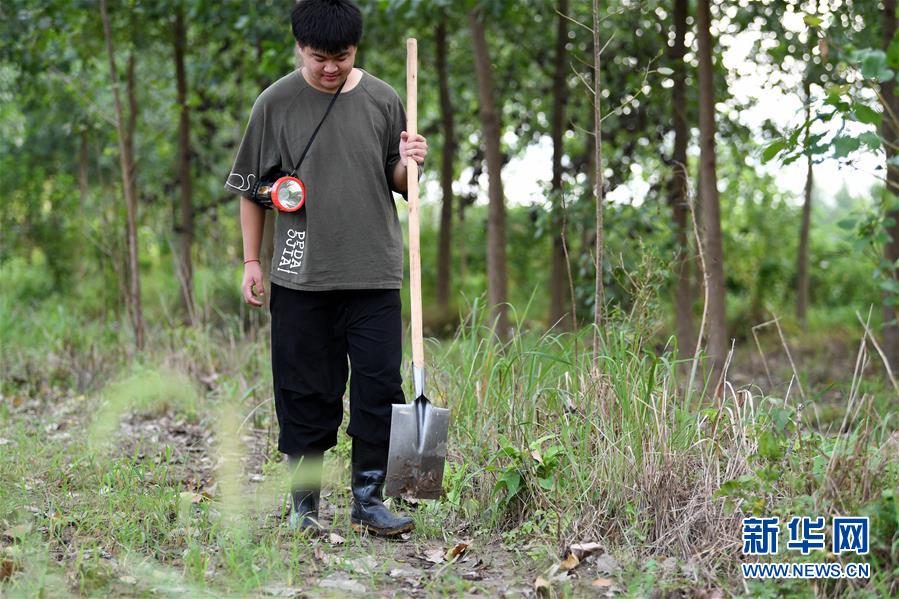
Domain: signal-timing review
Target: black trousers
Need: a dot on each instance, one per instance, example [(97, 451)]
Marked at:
[(314, 333)]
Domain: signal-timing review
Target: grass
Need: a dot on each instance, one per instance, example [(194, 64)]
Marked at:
[(131, 476)]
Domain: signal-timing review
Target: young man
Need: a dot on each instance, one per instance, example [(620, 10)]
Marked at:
[(338, 262)]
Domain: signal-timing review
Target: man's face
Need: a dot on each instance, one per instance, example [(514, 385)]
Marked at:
[(327, 71)]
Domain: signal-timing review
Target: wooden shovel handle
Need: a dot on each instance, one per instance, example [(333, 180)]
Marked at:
[(418, 350)]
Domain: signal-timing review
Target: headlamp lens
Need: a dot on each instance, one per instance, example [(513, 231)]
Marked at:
[(290, 194)]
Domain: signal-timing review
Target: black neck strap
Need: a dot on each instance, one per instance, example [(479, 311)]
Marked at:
[(320, 123)]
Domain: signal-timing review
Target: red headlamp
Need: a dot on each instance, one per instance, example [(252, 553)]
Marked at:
[(287, 194)]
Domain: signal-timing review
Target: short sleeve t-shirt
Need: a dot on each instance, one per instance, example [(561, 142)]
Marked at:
[(348, 235)]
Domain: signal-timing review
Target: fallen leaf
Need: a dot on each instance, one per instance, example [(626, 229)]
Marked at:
[(16, 532), (400, 573), (435, 556), (582, 550), (472, 575), (194, 498), (602, 582), (209, 380), (7, 568), (569, 563), (128, 579), (541, 585), (318, 553), (411, 578), (456, 550), (336, 539)]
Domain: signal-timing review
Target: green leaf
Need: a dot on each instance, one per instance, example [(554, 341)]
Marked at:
[(546, 483), (769, 446), (847, 224), (873, 64), (845, 145), (871, 139), (836, 95), (511, 480), (812, 21), (890, 285), (893, 52), (867, 115), (773, 149)]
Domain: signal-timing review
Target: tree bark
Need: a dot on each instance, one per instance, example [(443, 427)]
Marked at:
[(460, 244), (447, 163), (82, 171), (678, 198), (185, 229), (802, 274), (597, 132), (126, 161), (559, 265), (496, 220), (711, 208), (891, 136)]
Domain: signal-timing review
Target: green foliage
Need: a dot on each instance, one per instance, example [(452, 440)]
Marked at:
[(797, 471)]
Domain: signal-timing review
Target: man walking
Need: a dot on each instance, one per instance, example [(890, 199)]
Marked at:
[(338, 261)]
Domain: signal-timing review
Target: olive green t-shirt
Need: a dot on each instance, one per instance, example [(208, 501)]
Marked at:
[(348, 235)]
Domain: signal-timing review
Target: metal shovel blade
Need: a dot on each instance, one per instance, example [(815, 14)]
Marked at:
[(417, 450)]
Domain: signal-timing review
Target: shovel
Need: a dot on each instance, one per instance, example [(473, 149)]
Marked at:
[(418, 430)]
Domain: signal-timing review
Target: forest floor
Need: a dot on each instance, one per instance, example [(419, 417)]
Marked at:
[(151, 513), (44, 437)]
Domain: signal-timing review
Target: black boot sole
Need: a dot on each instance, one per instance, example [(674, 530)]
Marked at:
[(362, 528)]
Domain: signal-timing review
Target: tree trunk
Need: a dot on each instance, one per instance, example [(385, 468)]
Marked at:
[(559, 265), (597, 131), (448, 156), (460, 244), (185, 229), (82, 171), (588, 232), (496, 220), (802, 274), (711, 208), (891, 136), (678, 198), (126, 161)]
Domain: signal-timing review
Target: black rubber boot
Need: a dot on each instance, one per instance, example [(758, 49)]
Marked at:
[(305, 492), (369, 512)]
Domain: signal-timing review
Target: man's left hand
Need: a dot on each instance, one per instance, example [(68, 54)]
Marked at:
[(415, 147)]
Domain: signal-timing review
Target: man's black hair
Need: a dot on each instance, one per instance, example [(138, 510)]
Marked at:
[(330, 26)]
